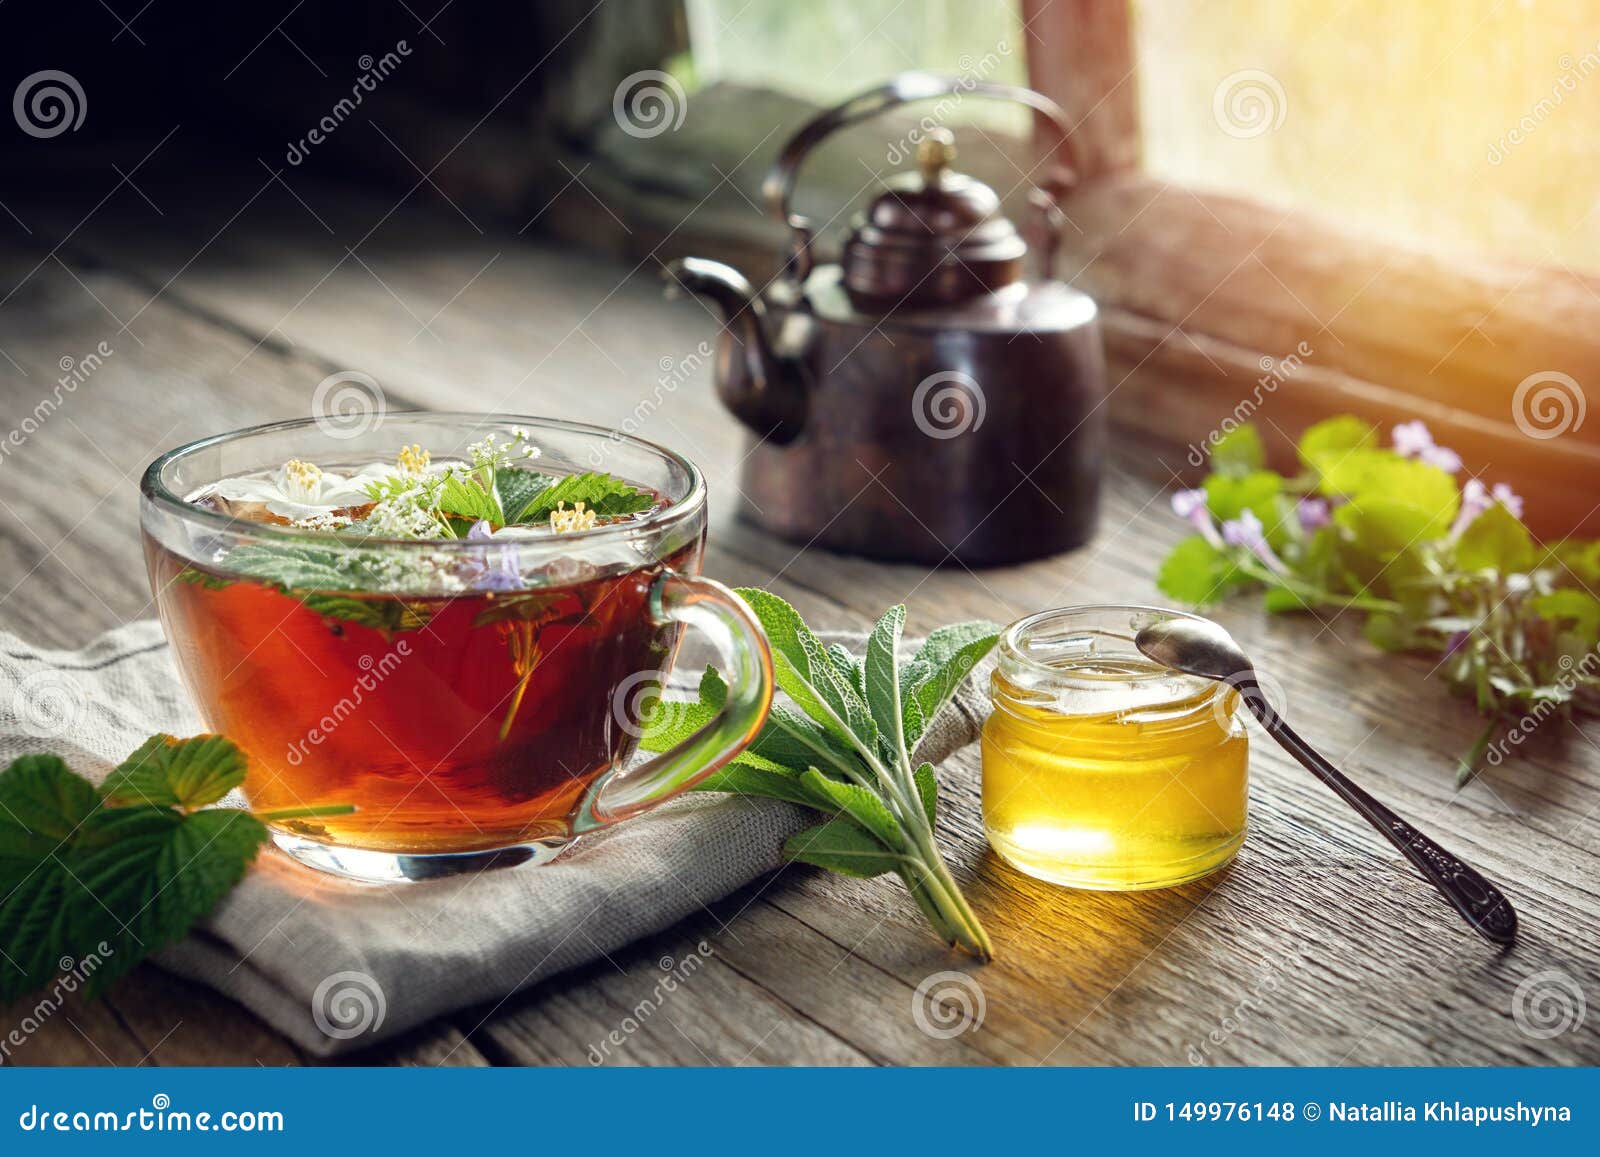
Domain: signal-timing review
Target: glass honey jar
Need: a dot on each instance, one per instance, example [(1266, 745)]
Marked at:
[(1103, 769)]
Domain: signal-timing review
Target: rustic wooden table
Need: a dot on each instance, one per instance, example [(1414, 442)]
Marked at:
[(1317, 946)]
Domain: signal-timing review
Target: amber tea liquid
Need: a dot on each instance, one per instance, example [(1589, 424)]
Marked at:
[(474, 721)]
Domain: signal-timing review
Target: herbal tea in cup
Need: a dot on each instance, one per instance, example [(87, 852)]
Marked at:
[(448, 621)]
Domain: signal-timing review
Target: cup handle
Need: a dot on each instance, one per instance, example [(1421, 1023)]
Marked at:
[(746, 662)]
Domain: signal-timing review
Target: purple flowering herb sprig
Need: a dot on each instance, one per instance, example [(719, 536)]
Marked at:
[(1440, 568)]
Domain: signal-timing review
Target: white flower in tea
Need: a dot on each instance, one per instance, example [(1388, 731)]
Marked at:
[(299, 490)]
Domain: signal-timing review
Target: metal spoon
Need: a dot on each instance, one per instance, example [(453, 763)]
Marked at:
[(1199, 647)]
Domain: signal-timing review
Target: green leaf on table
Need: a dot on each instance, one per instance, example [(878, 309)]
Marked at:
[(607, 496), (741, 778), (840, 746), (1495, 540), (149, 873), (1238, 452), (943, 662), (187, 773), (1197, 573), (1327, 443), (928, 790), (1370, 476), (111, 875), (1579, 608), (1577, 559), (856, 802), (848, 666), (881, 675), (844, 846)]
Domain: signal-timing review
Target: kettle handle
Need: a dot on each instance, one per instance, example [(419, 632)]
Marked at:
[(778, 188)]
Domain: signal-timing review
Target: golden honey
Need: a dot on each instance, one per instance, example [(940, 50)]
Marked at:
[(1102, 769)]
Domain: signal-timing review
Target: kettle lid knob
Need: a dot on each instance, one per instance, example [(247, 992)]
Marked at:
[(935, 153)]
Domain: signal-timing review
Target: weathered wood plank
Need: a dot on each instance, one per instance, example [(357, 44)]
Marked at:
[(1316, 946)]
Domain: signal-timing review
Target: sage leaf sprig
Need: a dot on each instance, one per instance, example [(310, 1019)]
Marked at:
[(116, 872), (842, 745), (1439, 570)]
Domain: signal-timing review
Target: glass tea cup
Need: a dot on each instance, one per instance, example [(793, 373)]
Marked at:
[(477, 701)]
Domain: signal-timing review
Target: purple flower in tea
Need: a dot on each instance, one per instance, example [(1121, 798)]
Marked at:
[(495, 570), (1313, 513), (1414, 440), (1190, 505), (1247, 531)]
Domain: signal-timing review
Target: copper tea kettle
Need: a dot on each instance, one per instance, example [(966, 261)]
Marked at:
[(921, 400)]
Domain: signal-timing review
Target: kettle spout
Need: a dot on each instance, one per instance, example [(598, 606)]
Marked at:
[(762, 389)]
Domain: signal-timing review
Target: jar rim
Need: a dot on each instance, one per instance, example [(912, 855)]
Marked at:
[(1094, 616)]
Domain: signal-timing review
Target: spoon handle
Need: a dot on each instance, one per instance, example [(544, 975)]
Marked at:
[(1480, 902)]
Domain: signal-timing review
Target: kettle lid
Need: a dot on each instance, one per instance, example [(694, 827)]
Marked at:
[(934, 237)]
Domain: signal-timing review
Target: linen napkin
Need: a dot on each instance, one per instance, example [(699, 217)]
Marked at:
[(337, 965)]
